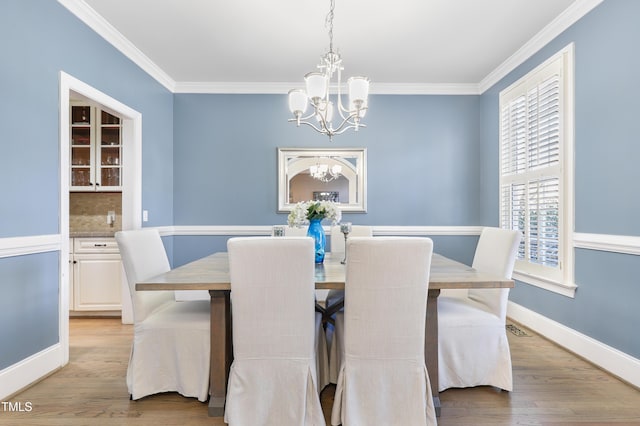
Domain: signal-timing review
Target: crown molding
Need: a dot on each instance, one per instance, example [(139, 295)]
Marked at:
[(424, 89), (222, 87), (563, 21), (283, 88), (97, 23)]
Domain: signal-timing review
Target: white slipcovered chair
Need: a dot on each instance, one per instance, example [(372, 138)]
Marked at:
[(383, 378), (323, 351), (170, 351), (273, 378), (331, 297), (338, 249), (473, 349)]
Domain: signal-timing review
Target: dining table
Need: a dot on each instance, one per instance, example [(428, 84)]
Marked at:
[(212, 273)]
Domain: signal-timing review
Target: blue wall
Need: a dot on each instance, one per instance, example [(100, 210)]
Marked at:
[(38, 39), (421, 160), (421, 157), (607, 89), (28, 306)]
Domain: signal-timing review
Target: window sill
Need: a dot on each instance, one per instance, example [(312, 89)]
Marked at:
[(568, 290)]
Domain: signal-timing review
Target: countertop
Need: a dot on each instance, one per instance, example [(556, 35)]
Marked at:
[(92, 234)]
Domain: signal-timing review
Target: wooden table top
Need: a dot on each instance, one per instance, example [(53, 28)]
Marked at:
[(212, 273)]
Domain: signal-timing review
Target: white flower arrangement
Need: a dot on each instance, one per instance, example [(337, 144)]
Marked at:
[(305, 211)]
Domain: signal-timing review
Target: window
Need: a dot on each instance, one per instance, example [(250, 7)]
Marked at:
[(536, 172)]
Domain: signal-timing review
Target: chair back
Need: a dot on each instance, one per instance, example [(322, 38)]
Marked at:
[(143, 256), (273, 298), (495, 253), (337, 237), (387, 280)]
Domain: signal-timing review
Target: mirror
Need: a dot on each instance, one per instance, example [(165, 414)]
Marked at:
[(322, 174)]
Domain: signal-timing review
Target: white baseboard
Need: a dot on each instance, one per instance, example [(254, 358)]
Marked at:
[(610, 359), (22, 374)]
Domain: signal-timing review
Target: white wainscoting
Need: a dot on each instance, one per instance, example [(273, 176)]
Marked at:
[(31, 369)]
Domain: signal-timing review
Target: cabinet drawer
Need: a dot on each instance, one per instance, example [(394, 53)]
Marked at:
[(95, 245)]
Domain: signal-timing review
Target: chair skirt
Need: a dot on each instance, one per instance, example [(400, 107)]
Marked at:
[(383, 393), (473, 346), (170, 351), (300, 406), (380, 392)]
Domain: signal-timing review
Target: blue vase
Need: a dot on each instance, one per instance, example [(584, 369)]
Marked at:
[(316, 232)]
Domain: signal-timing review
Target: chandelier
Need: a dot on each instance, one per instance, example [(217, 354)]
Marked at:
[(324, 173), (318, 85)]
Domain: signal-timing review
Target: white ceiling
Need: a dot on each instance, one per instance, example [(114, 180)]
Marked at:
[(261, 42)]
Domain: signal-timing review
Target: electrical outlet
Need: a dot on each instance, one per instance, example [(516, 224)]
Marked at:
[(111, 217), (145, 215)]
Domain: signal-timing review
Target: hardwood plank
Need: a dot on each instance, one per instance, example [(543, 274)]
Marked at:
[(551, 387)]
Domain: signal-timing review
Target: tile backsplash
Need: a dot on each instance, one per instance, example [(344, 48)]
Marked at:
[(88, 211)]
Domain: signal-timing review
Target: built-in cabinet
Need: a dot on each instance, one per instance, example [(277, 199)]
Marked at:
[(96, 149), (95, 275)]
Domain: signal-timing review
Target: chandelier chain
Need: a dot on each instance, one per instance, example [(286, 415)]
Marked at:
[(329, 22)]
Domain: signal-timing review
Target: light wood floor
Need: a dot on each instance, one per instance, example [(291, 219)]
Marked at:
[(552, 387)]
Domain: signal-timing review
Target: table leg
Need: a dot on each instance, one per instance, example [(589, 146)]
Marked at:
[(431, 345), (330, 310), (221, 350)]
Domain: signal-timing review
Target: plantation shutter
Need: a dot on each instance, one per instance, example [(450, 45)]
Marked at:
[(530, 172)]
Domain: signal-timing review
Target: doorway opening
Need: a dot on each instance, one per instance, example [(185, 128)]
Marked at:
[(131, 202)]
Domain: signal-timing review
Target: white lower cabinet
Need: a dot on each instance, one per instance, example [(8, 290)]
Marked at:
[(96, 276)]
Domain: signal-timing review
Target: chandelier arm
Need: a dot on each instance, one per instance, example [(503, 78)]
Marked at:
[(340, 130), (313, 114), (352, 114), (324, 130), (324, 125), (342, 110), (352, 124)]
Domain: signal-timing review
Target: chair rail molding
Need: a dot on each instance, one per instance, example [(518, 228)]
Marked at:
[(266, 230), (626, 244), (18, 246)]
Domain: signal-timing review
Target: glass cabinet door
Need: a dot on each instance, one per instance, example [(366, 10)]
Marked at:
[(110, 152), (82, 148), (96, 150)]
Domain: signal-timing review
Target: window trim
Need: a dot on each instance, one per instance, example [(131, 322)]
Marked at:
[(562, 282)]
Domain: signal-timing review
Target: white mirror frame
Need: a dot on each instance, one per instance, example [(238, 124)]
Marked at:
[(291, 161)]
